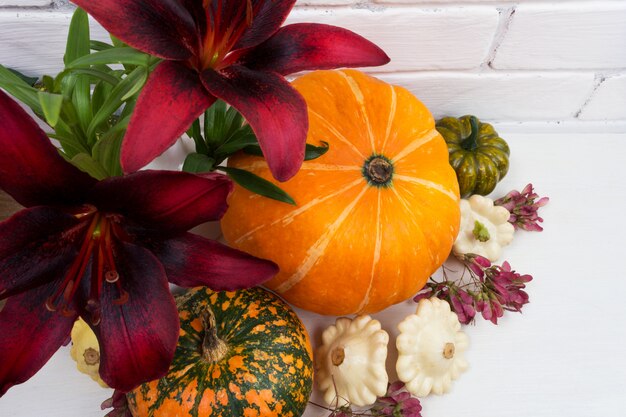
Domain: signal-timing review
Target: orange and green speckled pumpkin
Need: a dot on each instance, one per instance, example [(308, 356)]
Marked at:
[(376, 215), (240, 354)]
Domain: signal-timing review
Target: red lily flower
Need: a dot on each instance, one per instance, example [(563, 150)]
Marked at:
[(234, 50), (104, 251)]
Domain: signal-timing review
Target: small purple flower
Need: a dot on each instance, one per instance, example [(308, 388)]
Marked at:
[(426, 292), (524, 208), (510, 285), (490, 290), (463, 305), (397, 403), (476, 263)]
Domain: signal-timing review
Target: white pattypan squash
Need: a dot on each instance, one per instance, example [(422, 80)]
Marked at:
[(86, 351), (484, 230), (350, 363), (431, 348)]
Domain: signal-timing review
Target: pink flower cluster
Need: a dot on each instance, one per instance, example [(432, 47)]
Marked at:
[(397, 402), (492, 290), (523, 208)]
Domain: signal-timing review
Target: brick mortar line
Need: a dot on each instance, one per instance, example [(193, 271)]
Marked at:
[(480, 71), (600, 79), (506, 17)]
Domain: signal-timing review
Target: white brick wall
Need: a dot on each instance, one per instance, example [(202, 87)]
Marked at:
[(503, 60), (25, 3)]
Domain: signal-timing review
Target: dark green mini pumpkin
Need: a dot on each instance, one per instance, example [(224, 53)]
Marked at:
[(240, 354), (478, 155)]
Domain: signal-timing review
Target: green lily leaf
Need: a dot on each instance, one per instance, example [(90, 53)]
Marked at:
[(220, 123), (100, 92), (137, 86), (125, 55), (195, 134), (94, 74), (106, 151), (51, 105), (81, 98), (48, 84), (78, 43), (116, 42), (18, 88), (28, 80), (129, 106), (198, 162), (133, 82), (69, 145), (311, 151), (257, 185), (241, 139), (99, 46), (86, 163)]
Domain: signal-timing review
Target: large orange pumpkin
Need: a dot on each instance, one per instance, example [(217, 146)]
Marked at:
[(375, 216)]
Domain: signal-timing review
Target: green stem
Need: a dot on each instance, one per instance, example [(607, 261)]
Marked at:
[(470, 143)]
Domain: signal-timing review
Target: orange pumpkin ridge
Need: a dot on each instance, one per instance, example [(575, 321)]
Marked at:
[(376, 215)]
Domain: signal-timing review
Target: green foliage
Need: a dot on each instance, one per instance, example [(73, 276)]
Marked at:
[(89, 103), (258, 185), (221, 132), (311, 151)]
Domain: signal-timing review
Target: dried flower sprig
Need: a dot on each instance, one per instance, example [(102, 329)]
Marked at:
[(397, 402), (490, 290), (524, 208)]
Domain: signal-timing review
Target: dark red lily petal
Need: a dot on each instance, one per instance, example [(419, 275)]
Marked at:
[(31, 169), (37, 245), (269, 18), (198, 13), (29, 335), (137, 338), (159, 27), (310, 46), (167, 202), (170, 101), (191, 260), (276, 112)]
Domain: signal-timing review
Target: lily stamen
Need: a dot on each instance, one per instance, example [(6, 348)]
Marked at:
[(76, 271), (93, 306), (111, 277), (219, 40), (123, 298)]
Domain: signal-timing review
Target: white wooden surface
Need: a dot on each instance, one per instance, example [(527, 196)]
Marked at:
[(564, 356)]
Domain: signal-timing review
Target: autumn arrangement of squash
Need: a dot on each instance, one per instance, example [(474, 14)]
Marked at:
[(242, 353), (376, 215), (378, 206)]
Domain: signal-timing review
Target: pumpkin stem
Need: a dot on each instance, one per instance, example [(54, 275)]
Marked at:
[(449, 350), (338, 355), (213, 348), (470, 143), (378, 170)]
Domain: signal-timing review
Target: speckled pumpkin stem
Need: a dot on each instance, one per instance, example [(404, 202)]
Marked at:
[(470, 143), (213, 348)]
